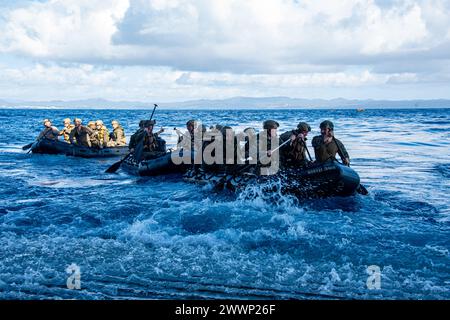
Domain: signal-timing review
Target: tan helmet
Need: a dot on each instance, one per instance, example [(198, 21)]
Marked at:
[(91, 124), (46, 120), (77, 119), (99, 123), (66, 120), (114, 122)]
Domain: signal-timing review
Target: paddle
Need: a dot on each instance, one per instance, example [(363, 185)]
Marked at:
[(361, 189), (116, 166), (219, 185), (28, 146), (306, 147)]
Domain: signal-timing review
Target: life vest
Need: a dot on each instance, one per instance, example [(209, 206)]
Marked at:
[(66, 132), (102, 133)]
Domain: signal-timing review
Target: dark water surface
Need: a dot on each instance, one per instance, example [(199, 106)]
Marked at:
[(162, 238)]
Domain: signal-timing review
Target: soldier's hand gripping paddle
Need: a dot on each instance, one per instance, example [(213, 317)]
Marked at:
[(116, 166)]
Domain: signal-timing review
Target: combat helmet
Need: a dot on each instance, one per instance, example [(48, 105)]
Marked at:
[(327, 124), (270, 124), (149, 123), (303, 126), (191, 122)]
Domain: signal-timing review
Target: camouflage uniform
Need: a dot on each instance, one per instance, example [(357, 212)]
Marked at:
[(135, 138), (82, 135), (264, 142), (294, 153), (51, 133), (118, 137), (183, 141), (323, 151), (152, 145)]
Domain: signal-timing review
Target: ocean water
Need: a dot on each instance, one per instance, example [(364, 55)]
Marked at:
[(135, 238)]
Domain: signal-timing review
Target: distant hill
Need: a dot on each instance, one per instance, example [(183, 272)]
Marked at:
[(232, 103)]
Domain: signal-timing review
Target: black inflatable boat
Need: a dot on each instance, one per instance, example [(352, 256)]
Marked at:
[(161, 164), (314, 181), (46, 146)]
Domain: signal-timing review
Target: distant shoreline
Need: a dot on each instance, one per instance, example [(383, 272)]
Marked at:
[(235, 103), (24, 108)]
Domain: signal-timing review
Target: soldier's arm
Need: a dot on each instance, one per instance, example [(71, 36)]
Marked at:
[(106, 136), (342, 148), (55, 131), (120, 135), (41, 134), (285, 136), (89, 130)]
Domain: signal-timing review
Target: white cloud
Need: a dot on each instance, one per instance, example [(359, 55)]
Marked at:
[(203, 48), (232, 35), (63, 29)]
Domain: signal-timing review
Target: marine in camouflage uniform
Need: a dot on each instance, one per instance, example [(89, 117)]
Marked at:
[(102, 133), (271, 126), (265, 145), (146, 144), (293, 154), (326, 146), (81, 134), (117, 136), (93, 137), (50, 132), (134, 137), (183, 139), (68, 127)]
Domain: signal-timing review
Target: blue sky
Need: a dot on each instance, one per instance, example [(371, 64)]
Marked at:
[(174, 50)]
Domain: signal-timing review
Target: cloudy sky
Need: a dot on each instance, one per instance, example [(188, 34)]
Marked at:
[(175, 50)]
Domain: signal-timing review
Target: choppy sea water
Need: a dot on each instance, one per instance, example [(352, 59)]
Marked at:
[(162, 238)]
